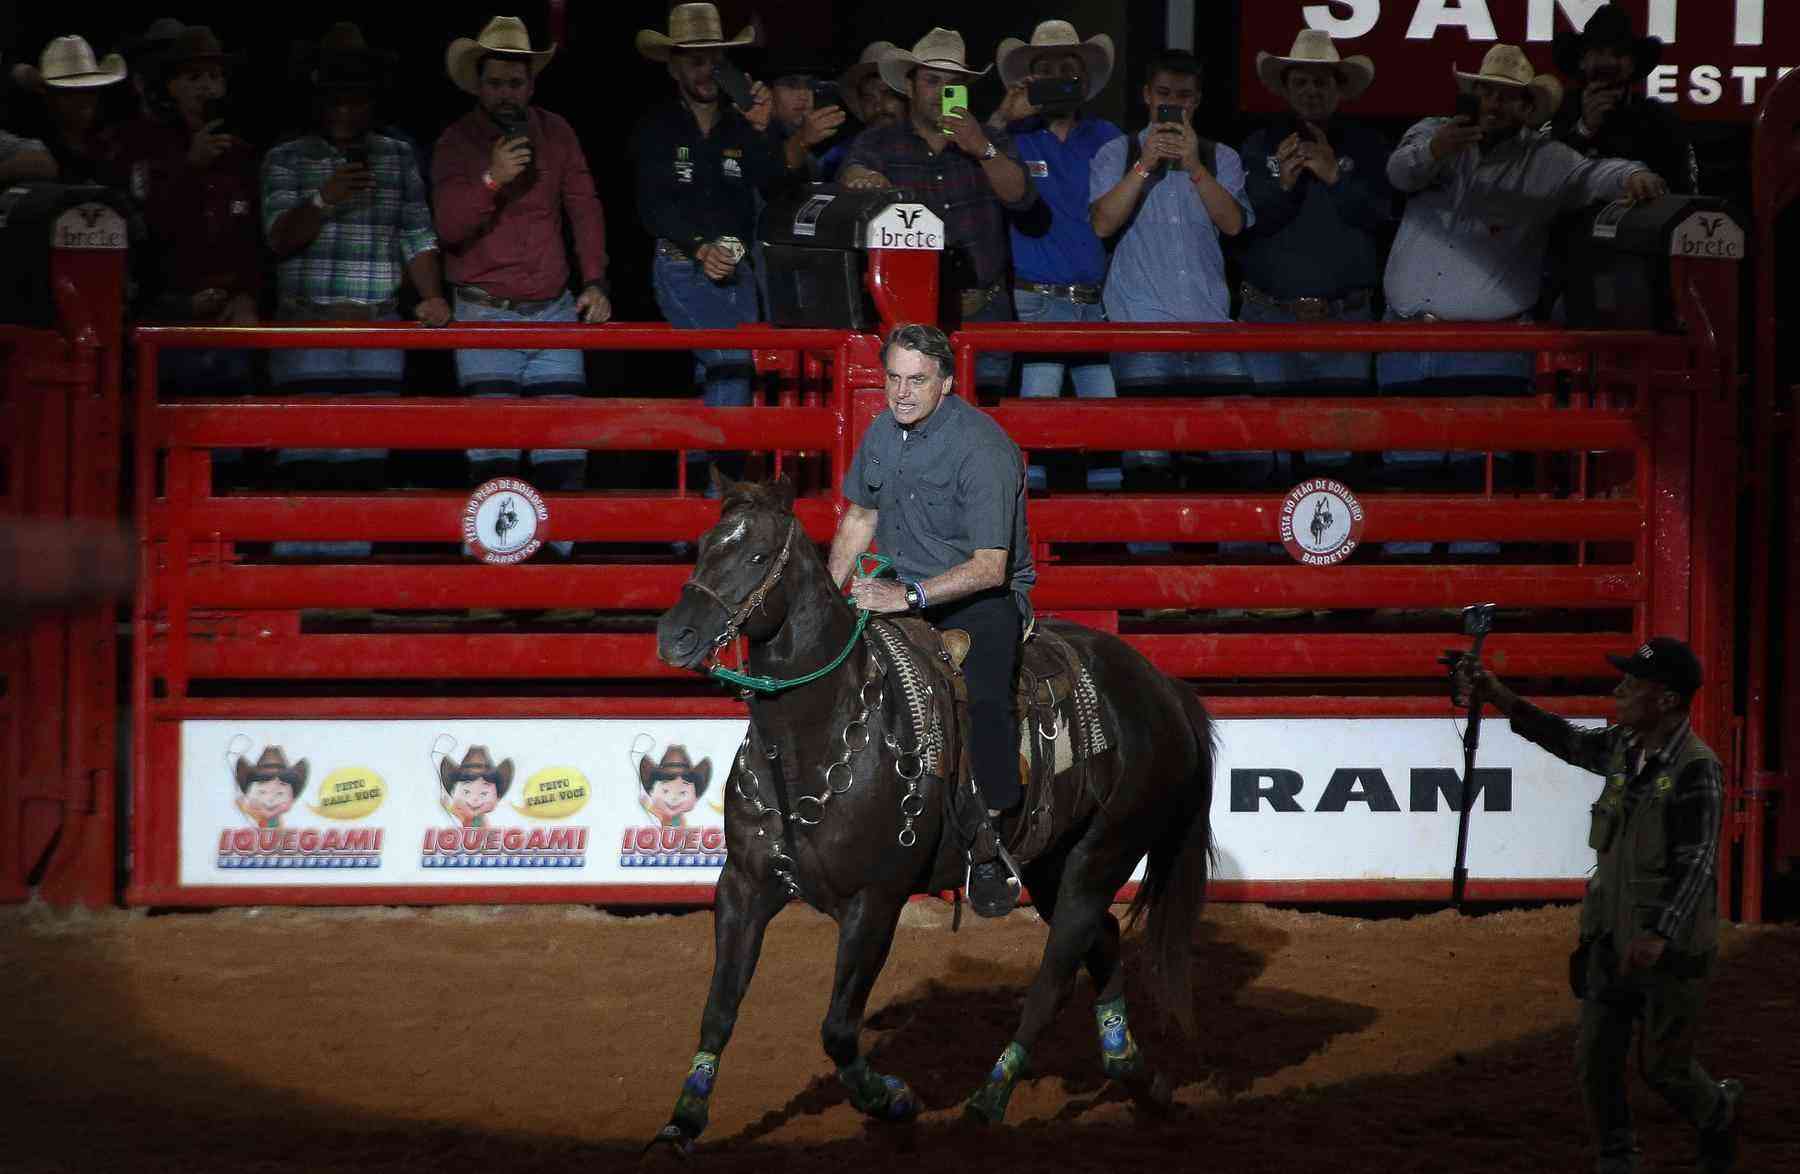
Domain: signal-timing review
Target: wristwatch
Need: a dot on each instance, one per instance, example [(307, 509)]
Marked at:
[(734, 248), (990, 152), (915, 596)]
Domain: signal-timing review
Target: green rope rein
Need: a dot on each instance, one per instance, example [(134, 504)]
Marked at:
[(879, 563)]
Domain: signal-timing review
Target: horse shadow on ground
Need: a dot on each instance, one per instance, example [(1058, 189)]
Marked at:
[(943, 1036)]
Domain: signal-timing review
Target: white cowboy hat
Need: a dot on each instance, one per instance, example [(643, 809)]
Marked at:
[(506, 35), (1014, 56), (850, 81), (691, 26), (1507, 65), (67, 63), (937, 49), (1314, 47)]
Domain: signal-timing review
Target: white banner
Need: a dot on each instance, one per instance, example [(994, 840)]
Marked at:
[(640, 802)]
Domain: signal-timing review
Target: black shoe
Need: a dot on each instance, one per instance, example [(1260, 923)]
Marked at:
[(1718, 1143), (992, 890)]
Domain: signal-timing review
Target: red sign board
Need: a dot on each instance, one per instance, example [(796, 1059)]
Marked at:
[(1719, 56)]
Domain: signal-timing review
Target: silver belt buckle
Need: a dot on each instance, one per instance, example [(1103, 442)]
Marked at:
[(1310, 309)]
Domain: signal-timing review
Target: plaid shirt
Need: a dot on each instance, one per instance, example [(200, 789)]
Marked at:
[(363, 246), (974, 217)]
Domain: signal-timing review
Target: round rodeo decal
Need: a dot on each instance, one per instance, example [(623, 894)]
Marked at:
[(1321, 522), (505, 521)]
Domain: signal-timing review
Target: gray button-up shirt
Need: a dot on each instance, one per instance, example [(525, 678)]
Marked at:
[(1471, 245), (951, 485)]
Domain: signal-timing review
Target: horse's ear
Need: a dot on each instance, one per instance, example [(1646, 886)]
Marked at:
[(783, 489), (721, 484)]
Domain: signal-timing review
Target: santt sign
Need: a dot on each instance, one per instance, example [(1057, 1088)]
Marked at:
[(1719, 56)]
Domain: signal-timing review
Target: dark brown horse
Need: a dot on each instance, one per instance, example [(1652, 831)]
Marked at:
[(828, 800)]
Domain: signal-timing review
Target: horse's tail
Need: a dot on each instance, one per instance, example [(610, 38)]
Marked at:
[(1174, 885)]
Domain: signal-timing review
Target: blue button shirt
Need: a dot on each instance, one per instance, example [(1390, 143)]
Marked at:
[(1066, 251), (1169, 266)]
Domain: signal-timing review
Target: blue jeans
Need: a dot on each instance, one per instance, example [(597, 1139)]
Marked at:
[(1327, 372), (1201, 373), (1042, 378), (690, 300), (1437, 373), (215, 374), (994, 368)]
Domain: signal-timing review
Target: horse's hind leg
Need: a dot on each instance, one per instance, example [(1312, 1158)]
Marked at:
[(743, 907), (865, 934)]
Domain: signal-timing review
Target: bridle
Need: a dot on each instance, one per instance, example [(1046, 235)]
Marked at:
[(736, 617)]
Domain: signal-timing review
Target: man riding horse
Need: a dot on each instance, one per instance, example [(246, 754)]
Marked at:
[(941, 488)]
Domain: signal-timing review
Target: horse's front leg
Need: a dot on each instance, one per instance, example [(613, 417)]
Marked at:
[(743, 906), (865, 934)]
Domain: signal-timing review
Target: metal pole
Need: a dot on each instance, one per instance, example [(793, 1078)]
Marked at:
[(1478, 621)]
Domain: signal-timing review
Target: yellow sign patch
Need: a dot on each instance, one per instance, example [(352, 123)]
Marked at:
[(349, 792), (556, 792)]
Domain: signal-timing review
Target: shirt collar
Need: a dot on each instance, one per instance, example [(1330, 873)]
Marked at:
[(932, 424)]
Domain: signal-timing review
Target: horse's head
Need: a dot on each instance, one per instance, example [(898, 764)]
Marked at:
[(737, 581)]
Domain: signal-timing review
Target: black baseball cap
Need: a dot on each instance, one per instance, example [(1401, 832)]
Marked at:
[(1663, 659)]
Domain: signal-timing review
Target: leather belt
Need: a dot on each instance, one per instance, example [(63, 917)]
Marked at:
[(479, 296), (671, 249), (974, 301), (1310, 309), (301, 310), (1085, 295)]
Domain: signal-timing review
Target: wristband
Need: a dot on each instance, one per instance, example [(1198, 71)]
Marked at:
[(487, 181), (1138, 169)]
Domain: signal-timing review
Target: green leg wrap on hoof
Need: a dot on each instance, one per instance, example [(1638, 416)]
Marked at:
[(696, 1094), (885, 1098), (988, 1104), (1119, 1055)]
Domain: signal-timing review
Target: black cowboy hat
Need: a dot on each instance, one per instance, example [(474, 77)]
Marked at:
[(194, 43), (1610, 27), (272, 764), (342, 60), (675, 764), (476, 764)]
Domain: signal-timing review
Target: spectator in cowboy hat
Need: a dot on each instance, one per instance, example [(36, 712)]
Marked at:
[(504, 177), (1172, 198), (797, 119), (345, 212), (143, 54), (1319, 187), (1481, 197), (1608, 116), (71, 82), (673, 787), (971, 171), (1650, 920), (267, 791), (700, 162), (1059, 264), (474, 788), (872, 101)]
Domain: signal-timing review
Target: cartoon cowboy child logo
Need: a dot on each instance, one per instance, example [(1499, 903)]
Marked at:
[(673, 787), (267, 791), (473, 789)]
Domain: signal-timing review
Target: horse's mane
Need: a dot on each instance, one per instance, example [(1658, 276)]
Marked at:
[(776, 496)]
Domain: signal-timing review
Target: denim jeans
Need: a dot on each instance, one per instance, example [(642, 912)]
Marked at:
[(1041, 377), (1196, 373), (1314, 372), (1440, 373), (993, 369), (691, 300), (215, 374)]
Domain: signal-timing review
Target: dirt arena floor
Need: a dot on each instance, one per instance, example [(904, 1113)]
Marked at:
[(554, 1039)]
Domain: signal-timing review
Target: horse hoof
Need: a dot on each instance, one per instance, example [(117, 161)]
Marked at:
[(1151, 1092), (669, 1140)]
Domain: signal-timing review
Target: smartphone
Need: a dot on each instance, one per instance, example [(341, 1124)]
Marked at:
[(956, 98), (512, 124), (1168, 112), (216, 111), (1468, 107), (733, 84), (357, 153), (826, 94), (1051, 94)]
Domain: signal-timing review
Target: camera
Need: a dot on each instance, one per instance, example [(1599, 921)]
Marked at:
[(1055, 95)]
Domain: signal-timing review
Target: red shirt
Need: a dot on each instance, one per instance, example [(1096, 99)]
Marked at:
[(204, 225), (510, 242)]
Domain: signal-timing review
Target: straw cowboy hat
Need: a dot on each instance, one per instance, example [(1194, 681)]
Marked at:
[(1608, 28), (506, 36), (476, 764), (675, 764), (691, 26), (67, 63), (1507, 65), (937, 49), (1014, 57), (273, 764), (850, 81), (1314, 47), (342, 59)]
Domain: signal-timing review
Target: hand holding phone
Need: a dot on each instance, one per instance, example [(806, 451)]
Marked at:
[(955, 98), (733, 84), (1169, 112)]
